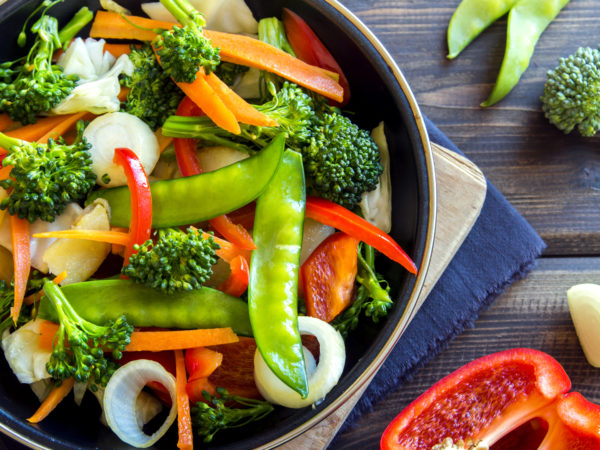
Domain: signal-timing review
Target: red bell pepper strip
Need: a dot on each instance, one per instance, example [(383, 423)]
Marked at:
[(200, 363), (187, 160), (141, 199), (309, 48), (488, 398), (237, 283), (329, 213)]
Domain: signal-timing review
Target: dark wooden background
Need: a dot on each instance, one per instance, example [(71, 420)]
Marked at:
[(552, 179)]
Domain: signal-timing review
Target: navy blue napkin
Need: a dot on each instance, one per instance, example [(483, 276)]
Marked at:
[(500, 249)]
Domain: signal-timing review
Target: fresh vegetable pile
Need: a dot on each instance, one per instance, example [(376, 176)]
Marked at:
[(171, 204)]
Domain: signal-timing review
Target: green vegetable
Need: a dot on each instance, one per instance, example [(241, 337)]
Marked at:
[(527, 21), (470, 18), (184, 50), (32, 84), (46, 177), (229, 72), (273, 280), (175, 261), (213, 416), (372, 296), (571, 96), (102, 300), (84, 358), (7, 300), (200, 197), (340, 159), (70, 30), (272, 31), (153, 96)]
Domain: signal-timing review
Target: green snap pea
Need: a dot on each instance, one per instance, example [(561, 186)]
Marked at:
[(470, 18), (273, 281), (201, 197), (527, 20), (102, 300)]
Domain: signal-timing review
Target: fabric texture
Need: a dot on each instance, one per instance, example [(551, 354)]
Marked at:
[(500, 249)]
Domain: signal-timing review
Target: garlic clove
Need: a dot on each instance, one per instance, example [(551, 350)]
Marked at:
[(584, 306)]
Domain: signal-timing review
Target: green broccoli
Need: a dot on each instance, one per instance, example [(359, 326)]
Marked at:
[(372, 295), (213, 416), (341, 160), (183, 50), (7, 300), (229, 72), (83, 359), (153, 96), (32, 84), (572, 93), (177, 261), (46, 177)]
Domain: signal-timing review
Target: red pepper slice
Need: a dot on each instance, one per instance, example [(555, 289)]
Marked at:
[(237, 283), (329, 213), (485, 400), (187, 160), (309, 48), (141, 199), (200, 362), (328, 276)]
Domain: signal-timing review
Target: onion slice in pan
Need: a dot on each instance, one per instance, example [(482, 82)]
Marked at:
[(120, 396)]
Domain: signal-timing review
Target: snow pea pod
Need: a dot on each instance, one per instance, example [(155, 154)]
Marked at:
[(102, 300), (470, 18), (527, 20), (273, 284), (201, 197)]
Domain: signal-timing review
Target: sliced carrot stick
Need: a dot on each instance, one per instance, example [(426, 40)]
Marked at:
[(242, 110), (5, 122), (228, 251), (5, 172), (60, 277), (35, 131), (184, 418), (117, 49), (123, 93), (109, 25), (51, 402), (48, 332), (247, 51), (65, 125), (19, 229), (180, 339), (110, 237), (163, 141)]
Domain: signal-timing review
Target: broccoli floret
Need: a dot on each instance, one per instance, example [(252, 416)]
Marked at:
[(213, 416), (229, 72), (183, 50), (372, 295), (7, 300), (33, 84), (153, 96), (176, 261), (341, 160), (572, 93), (83, 359), (46, 177)]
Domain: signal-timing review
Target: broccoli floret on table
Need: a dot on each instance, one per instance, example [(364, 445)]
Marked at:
[(176, 261), (153, 96), (46, 177), (84, 358), (571, 96)]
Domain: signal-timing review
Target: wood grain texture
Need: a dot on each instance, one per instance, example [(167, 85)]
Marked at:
[(553, 180)]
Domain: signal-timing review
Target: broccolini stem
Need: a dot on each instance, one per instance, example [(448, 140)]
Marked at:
[(9, 143), (368, 278), (70, 30), (184, 12), (22, 39)]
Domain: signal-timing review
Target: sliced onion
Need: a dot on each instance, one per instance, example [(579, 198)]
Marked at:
[(120, 398), (326, 375)]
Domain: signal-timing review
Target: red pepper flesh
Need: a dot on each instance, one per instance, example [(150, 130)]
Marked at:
[(488, 398), (329, 213), (237, 283)]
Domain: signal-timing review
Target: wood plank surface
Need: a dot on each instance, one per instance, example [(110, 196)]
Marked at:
[(552, 179), (532, 313)]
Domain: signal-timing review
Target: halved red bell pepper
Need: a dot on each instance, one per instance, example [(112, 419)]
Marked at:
[(141, 199), (309, 48), (488, 398), (328, 276), (329, 213)]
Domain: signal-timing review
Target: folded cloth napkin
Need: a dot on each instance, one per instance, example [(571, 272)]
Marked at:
[(500, 249)]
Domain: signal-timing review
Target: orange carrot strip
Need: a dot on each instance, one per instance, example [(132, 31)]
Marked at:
[(60, 277), (242, 110), (36, 130), (247, 51), (117, 49), (184, 418), (5, 172), (228, 251), (163, 141), (48, 332), (180, 339), (118, 249), (123, 93), (65, 125), (110, 237), (54, 398), (109, 25), (22, 261), (5, 122)]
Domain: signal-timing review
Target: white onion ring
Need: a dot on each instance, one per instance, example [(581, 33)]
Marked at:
[(326, 375), (122, 391)]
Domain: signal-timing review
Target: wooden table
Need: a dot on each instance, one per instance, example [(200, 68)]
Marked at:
[(552, 179)]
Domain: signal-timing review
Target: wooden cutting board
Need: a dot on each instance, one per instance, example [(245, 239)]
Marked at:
[(461, 190)]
